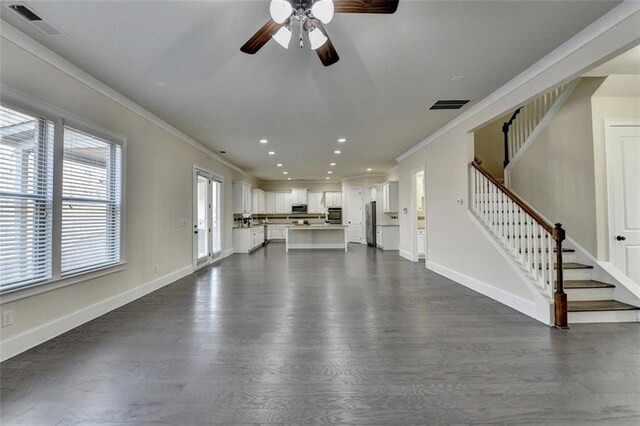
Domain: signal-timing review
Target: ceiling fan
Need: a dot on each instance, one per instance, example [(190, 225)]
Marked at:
[(309, 16)]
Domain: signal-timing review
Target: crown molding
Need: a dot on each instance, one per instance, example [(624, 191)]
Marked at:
[(32, 46), (603, 24), (368, 175)]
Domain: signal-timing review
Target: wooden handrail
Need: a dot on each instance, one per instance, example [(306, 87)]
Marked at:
[(535, 216)]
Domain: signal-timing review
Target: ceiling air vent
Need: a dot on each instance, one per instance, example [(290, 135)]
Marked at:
[(25, 12), (450, 104)]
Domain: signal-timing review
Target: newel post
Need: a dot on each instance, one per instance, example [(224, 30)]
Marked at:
[(559, 297), (505, 132)]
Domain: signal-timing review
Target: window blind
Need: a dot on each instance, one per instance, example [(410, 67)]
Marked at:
[(26, 198), (91, 202)]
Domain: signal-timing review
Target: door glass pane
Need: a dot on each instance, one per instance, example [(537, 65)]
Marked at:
[(215, 213), (202, 217)]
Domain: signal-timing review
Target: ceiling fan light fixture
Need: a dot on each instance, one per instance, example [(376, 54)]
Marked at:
[(323, 10), (280, 10), (283, 37), (317, 38)]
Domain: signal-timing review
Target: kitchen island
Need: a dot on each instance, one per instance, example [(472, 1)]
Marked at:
[(316, 237)]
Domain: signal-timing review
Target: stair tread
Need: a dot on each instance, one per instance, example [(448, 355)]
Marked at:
[(570, 265), (598, 305), (575, 265), (586, 284)]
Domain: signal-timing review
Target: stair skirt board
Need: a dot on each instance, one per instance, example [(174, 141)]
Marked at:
[(603, 316)]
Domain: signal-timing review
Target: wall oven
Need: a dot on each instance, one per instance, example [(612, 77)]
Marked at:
[(334, 215)]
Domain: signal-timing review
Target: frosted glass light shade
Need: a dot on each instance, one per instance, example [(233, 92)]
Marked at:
[(283, 37), (317, 38), (280, 10), (323, 10)]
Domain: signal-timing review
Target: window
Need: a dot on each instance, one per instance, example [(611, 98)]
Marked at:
[(90, 202), (26, 198), (60, 197)]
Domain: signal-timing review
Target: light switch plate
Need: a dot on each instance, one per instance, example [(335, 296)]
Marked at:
[(7, 318)]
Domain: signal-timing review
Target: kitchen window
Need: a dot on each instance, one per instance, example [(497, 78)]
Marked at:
[(61, 191)]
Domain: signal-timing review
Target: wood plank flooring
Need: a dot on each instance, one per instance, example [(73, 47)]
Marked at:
[(324, 337)]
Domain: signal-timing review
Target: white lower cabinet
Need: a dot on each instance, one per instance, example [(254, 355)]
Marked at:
[(422, 242), (276, 232), (388, 237), (245, 240)]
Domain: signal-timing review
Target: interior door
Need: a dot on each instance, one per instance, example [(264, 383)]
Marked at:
[(623, 164), (355, 215)]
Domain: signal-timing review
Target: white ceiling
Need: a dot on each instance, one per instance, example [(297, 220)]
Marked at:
[(392, 69)]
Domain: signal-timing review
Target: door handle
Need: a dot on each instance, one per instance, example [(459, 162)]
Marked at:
[(195, 232), (621, 238)]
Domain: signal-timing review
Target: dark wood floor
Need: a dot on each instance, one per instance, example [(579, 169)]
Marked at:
[(324, 337)]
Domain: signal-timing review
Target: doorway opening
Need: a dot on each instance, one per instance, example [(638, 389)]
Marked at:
[(207, 217), (418, 215)]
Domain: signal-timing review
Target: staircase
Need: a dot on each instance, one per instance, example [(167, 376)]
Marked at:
[(536, 247)]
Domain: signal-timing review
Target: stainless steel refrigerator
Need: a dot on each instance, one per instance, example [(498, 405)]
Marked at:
[(371, 223)]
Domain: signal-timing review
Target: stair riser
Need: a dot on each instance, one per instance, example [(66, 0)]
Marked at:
[(576, 274), (575, 294), (603, 316)]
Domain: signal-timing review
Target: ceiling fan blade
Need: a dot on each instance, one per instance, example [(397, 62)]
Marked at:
[(327, 53), (261, 38), (365, 6)]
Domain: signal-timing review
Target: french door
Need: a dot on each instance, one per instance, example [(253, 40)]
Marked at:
[(207, 226)]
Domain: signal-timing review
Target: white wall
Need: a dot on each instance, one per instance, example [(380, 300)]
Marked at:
[(556, 174), (158, 194), (311, 186), (489, 146), (457, 247)]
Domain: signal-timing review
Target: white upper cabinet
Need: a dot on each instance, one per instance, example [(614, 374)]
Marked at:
[(333, 199), (241, 197), (390, 197), (258, 201), (299, 196), (271, 202), (287, 202), (316, 202)]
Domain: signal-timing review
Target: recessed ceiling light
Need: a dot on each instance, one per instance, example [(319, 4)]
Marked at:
[(337, 151), (341, 140), (288, 178), (279, 164), (271, 153), (327, 177), (458, 77), (263, 141), (369, 169), (332, 164), (161, 84), (285, 173), (329, 172)]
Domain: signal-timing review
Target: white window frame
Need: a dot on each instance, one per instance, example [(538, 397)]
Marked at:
[(60, 119)]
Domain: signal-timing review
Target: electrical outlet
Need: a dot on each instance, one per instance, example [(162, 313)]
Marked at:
[(7, 318), (460, 201)]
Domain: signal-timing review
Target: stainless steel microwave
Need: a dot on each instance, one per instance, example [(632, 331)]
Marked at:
[(300, 208)]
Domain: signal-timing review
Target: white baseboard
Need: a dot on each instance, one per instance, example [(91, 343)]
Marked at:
[(524, 306), (407, 255), (226, 253), (41, 333)]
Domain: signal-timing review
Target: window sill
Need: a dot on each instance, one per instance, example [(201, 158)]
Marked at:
[(54, 284)]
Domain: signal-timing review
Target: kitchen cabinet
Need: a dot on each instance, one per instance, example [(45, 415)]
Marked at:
[(245, 240), (258, 201), (316, 202), (287, 203), (276, 232), (299, 196), (422, 242), (241, 197), (388, 237), (390, 197), (333, 199)]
